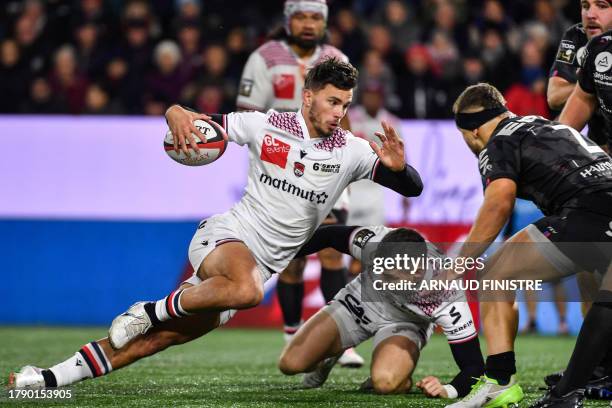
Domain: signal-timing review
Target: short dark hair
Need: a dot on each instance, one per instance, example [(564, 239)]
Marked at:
[(417, 245), (331, 71), (481, 95)]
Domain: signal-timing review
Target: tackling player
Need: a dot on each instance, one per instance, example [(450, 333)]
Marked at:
[(596, 16), (273, 78), (570, 179), (234, 253), (400, 322)]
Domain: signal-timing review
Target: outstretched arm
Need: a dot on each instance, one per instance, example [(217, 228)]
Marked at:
[(578, 109), (328, 236), (392, 171)]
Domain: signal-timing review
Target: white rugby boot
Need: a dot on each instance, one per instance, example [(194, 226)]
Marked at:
[(317, 378), (129, 325), (27, 377), (350, 359)]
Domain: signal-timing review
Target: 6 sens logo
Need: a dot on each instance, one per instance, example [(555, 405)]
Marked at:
[(274, 151)]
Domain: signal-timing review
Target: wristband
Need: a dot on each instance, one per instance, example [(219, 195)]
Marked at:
[(451, 392)]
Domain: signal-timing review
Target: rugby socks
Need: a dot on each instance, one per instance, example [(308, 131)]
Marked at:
[(290, 297), (332, 280), (166, 308), (591, 347), (501, 367), (89, 362)]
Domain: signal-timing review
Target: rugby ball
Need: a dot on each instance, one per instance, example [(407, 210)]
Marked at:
[(211, 150)]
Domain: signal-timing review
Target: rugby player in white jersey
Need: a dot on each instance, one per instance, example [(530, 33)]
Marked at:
[(234, 253), (273, 78), (400, 321)]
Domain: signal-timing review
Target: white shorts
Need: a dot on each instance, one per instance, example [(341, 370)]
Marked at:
[(212, 233), (358, 321)]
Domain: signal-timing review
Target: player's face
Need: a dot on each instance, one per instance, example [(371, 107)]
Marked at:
[(307, 28), (596, 17), (326, 107)]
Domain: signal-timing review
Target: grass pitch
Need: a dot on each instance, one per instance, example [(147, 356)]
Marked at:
[(237, 368)]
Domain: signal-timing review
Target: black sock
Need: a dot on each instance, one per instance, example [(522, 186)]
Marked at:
[(150, 309), (501, 366), (591, 346), (332, 280), (290, 298), (50, 380)]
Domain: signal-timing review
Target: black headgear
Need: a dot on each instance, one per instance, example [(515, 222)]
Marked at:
[(474, 120)]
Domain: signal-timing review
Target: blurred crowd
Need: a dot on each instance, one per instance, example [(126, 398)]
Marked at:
[(139, 56)]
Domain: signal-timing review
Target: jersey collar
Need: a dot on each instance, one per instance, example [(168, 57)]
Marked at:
[(302, 122)]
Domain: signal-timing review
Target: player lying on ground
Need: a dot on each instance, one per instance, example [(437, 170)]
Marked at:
[(570, 179), (234, 253), (400, 322)]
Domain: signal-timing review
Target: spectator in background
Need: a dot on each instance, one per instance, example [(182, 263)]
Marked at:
[(13, 77), (238, 53), (419, 96), (189, 38), (34, 47), (211, 98), (445, 20), (528, 97), (98, 102), (379, 39), (68, 84), (41, 100), (97, 13), (444, 55), (401, 23), (91, 56), (375, 69), (497, 59), (115, 81), (352, 35), (166, 82), (554, 22)]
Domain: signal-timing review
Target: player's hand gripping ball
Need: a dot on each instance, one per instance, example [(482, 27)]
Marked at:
[(212, 142)]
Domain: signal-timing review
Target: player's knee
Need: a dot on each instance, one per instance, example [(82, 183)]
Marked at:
[(248, 295), (388, 383), (289, 365)]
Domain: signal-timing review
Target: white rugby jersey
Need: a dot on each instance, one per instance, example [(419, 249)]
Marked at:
[(447, 309), (293, 180), (273, 78)]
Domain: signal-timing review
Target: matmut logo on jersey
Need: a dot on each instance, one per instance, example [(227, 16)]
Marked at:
[(283, 185), (274, 151)]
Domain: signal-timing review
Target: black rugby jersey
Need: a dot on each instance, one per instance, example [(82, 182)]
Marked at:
[(570, 55), (552, 164)]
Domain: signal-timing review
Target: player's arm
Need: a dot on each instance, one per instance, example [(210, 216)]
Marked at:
[(495, 211), (558, 91), (579, 108), (392, 171), (255, 91), (468, 357), (328, 236)]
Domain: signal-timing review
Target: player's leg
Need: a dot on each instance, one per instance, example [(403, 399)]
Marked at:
[(98, 358), (290, 293), (393, 362), (231, 279), (561, 306), (318, 339), (531, 302)]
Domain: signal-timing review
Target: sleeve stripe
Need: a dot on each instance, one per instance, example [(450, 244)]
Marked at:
[(374, 168)]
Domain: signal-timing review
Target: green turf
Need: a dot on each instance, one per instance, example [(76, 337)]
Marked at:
[(238, 368)]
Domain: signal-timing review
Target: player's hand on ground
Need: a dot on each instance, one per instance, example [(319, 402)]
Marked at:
[(180, 121), (432, 387), (391, 152)]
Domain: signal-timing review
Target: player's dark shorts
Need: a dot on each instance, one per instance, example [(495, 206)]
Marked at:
[(584, 235)]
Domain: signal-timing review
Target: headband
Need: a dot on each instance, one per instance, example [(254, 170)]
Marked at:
[(474, 120), (295, 6)]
